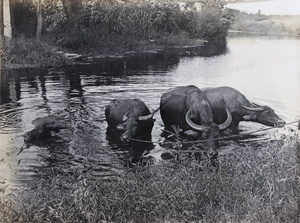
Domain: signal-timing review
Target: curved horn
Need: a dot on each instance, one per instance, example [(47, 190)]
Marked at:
[(146, 117), (192, 124), (257, 109), (227, 122), (256, 104), (125, 117)]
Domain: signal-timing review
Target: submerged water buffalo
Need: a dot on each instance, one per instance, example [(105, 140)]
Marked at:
[(188, 108), (129, 117), (221, 98), (43, 129)]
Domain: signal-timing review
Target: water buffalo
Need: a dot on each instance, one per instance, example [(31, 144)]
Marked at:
[(221, 98), (188, 108), (129, 117), (43, 129)]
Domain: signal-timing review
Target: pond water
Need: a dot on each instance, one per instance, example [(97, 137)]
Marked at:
[(268, 7), (266, 70)]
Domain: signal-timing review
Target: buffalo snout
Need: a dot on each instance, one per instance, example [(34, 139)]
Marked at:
[(280, 123), (125, 137)]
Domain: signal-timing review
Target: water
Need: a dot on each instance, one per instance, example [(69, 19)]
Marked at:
[(271, 7), (266, 70)]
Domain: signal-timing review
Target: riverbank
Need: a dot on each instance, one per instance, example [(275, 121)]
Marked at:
[(23, 52), (26, 53), (112, 29)]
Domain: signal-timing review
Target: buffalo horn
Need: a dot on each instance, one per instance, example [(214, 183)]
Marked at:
[(227, 122), (146, 117), (125, 117), (192, 124), (256, 104), (257, 109)]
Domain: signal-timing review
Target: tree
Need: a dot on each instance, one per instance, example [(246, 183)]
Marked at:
[(39, 20), (1, 20), (72, 9), (1, 34), (12, 5)]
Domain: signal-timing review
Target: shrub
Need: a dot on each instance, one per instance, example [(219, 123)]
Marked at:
[(211, 24)]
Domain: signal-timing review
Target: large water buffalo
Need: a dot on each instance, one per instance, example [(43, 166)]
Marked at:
[(188, 108), (221, 98), (129, 117)]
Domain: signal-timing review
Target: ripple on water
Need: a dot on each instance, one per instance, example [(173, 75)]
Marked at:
[(79, 96)]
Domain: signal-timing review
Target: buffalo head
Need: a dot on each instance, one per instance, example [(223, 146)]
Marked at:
[(210, 131), (133, 126), (264, 115), (129, 117)]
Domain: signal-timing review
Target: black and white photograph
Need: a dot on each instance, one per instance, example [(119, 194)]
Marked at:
[(149, 111)]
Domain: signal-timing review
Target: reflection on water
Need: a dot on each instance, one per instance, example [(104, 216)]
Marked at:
[(265, 70)]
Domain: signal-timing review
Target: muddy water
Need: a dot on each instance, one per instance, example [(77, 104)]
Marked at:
[(267, 71)]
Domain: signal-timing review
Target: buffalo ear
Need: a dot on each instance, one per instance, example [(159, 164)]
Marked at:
[(125, 116), (120, 127)]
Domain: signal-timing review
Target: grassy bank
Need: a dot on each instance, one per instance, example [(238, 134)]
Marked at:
[(111, 29), (23, 52), (262, 25), (251, 183)]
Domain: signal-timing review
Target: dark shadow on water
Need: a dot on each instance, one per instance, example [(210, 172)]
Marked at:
[(138, 63), (132, 151), (229, 137)]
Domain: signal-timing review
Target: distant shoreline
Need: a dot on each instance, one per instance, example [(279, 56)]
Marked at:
[(265, 25), (266, 7)]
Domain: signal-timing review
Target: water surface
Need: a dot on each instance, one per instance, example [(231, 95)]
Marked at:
[(266, 70)]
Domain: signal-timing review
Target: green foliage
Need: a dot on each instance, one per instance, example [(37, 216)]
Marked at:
[(54, 17), (136, 20), (253, 183), (23, 51), (24, 18), (111, 27), (154, 21), (106, 21), (211, 24)]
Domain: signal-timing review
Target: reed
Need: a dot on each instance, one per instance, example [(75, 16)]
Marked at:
[(257, 182)]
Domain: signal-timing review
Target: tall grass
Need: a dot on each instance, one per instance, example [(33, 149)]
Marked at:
[(153, 21), (24, 52), (255, 183)]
